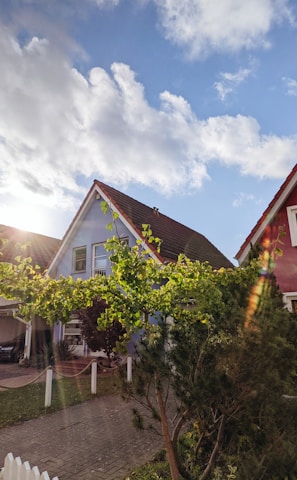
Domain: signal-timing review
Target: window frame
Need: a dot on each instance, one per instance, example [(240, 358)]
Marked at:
[(94, 257), (75, 260), (290, 299), (292, 219), (294, 305)]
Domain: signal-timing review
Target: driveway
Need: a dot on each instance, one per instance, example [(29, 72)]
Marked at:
[(13, 371)]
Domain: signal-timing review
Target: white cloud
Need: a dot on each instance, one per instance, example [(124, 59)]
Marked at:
[(291, 85), (230, 81), (203, 27), (242, 198), (56, 125), (237, 141), (200, 27), (106, 3)]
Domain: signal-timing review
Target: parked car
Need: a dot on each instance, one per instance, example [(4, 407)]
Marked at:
[(13, 350)]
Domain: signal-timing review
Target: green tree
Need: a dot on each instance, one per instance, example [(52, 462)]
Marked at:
[(231, 377), (217, 352)]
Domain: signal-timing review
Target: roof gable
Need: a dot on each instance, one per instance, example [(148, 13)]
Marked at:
[(40, 248), (273, 207), (176, 238)]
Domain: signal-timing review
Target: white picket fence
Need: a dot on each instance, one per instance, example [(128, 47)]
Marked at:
[(14, 469)]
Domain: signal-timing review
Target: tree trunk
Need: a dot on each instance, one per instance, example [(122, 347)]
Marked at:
[(175, 475)]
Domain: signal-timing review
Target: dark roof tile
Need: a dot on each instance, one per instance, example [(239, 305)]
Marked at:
[(41, 248), (176, 238)]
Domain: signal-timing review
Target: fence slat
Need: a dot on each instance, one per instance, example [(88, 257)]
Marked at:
[(8, 463), (45, 476), (35, 473), (25, 471), (14, 469)]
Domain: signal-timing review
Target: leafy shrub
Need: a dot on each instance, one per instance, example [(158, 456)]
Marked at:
[(64, 351), (157, 469)]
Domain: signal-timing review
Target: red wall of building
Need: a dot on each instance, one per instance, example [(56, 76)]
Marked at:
[(285, 265)]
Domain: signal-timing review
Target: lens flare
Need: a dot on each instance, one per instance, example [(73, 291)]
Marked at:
[(259, 288)]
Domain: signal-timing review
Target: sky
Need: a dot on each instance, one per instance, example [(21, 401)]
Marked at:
[(188, 106)]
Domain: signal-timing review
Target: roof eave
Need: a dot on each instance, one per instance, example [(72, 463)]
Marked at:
[(274, 206)]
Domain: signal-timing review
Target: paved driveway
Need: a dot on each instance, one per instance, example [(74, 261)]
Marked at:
[(13, 370), (91, 441)]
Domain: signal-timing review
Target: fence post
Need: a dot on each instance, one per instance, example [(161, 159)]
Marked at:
[(94, 378), (48, 387), (129, 369)]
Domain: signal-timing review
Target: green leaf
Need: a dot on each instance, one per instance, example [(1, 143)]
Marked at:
[(104, 207)]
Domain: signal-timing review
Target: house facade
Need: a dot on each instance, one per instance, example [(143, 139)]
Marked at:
[(277, 227), (41, 249), (82, 253)]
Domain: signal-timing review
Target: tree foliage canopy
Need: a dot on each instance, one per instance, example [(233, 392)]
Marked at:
[(228, 354)]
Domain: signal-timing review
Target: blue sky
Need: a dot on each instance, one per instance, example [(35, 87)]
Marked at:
[(188, 105)]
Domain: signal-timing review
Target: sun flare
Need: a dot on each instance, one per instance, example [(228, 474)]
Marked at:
[(24, 216)]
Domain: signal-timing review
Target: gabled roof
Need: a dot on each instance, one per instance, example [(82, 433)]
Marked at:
[(40, 248), (176, 238), (273, 207)]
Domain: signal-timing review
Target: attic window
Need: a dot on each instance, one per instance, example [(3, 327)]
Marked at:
[(292, 218), (79, 259)]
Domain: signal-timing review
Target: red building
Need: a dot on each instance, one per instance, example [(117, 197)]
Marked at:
[(277, 228)]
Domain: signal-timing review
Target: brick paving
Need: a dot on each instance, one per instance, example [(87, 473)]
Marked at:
[(91, 441)]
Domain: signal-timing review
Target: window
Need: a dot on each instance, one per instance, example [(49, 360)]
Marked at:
[(72, 332), (290, 301), (292, 218), (99, 259), (294, 306), (79, 259)]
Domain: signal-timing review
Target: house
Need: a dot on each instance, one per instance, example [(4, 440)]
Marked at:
[(279, 216), (82, 252), (41, 249)]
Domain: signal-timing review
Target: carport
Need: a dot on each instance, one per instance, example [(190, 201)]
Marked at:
[(11, 325)]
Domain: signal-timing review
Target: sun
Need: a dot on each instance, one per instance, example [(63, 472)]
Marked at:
[(24, 216)]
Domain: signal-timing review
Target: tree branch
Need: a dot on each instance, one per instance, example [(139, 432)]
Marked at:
[(215, 449)]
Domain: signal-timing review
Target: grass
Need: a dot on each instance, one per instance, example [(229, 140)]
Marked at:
[(24, 403)]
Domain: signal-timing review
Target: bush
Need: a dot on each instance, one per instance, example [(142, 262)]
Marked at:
[(157, 469), (64, 351)]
